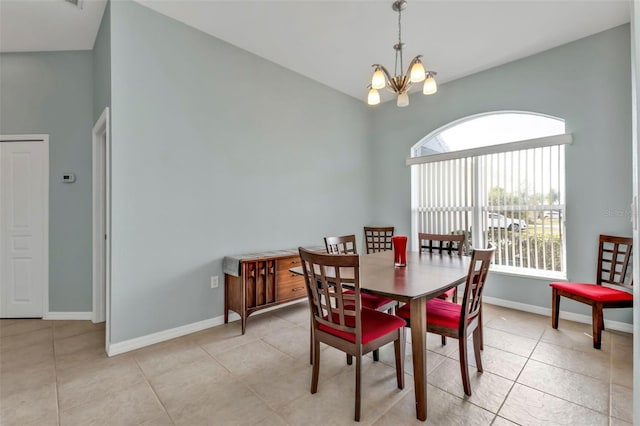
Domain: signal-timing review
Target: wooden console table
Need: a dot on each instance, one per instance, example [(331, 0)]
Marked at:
[(256, 281)]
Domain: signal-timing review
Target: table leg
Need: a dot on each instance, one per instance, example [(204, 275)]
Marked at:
[(419, 348)]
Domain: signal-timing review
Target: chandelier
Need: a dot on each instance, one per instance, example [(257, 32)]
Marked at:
[(401, 83)]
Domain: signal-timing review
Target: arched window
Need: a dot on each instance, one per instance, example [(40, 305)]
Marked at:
[(504, 171)]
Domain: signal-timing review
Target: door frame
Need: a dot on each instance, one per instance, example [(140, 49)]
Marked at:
[(44, 139), (635, 213), (101, 215)]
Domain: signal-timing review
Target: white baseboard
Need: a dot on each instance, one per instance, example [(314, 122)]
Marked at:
[(69, 316), (571, 316), (161, 336)]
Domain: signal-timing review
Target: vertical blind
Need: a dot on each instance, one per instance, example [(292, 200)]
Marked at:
[(444, 196), (517, 195)]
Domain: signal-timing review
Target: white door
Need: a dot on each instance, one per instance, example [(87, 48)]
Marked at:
[(23, 227)]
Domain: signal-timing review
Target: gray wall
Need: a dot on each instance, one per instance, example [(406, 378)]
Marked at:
[(194, 155), (588, 83), (102, 65), (214, 152), (52, 93)]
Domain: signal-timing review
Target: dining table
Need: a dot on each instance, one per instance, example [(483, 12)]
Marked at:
[(425, 276)]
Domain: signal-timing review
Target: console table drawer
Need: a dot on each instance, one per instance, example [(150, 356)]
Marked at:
[(284, 277), (292, 289), (286, 263)]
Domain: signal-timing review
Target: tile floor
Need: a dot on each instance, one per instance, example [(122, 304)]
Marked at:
[(56, 373)]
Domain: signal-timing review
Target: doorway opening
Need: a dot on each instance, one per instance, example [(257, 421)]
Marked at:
[(101, 271)]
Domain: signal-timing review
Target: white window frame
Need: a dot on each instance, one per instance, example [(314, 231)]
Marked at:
[(478, 210)]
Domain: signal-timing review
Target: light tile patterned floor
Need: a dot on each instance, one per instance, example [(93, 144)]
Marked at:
[(56, 373)]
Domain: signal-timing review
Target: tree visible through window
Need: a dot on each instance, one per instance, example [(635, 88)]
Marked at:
[(504, 171)]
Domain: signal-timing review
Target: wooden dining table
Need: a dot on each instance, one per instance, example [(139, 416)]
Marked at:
[(424, 277)]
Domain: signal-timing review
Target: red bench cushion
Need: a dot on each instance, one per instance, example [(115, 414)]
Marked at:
[(374, 324), (595, 292)]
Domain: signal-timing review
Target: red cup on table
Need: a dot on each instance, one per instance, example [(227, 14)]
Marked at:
[(399, 243)]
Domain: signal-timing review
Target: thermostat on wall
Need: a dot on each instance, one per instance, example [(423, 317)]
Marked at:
[(68, 177)]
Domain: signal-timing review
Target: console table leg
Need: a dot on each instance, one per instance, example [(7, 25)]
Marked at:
[(243, 302), (226, 300), (244, 323)]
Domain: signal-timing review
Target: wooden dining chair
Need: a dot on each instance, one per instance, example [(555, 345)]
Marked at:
[(614, 255), (346, 244), (378, 238), (340, 320), (443, 244), (460, 321)]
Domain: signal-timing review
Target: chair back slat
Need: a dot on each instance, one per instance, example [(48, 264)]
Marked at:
[(450, 243), (476, 277), (614, 255), (345, 244), (326, 277), (378, 238)]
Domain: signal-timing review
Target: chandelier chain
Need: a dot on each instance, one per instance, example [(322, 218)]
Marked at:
[(399, 49)]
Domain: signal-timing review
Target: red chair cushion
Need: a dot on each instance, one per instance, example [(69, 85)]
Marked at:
[(594, 292), (371, 301), (374, 324), (439, 312), (447, 294)]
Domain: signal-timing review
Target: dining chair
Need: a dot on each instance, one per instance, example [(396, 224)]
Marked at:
[(346, 244), (450, 243), (340, 320), (378, 238), (460, 321), (613, 260), (443, 243)]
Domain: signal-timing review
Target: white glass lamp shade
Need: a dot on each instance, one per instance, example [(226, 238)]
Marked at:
[(417, 73), (377, 80), (403, 99), (374, 97), (430, 86)]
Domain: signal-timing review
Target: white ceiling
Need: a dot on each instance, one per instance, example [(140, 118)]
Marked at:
[(336, 41), (44, 25)]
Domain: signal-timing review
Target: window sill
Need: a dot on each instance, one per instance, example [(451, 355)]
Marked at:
[(528, 273)]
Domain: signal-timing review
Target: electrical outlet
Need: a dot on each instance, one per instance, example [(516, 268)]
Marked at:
[(214, 281)]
